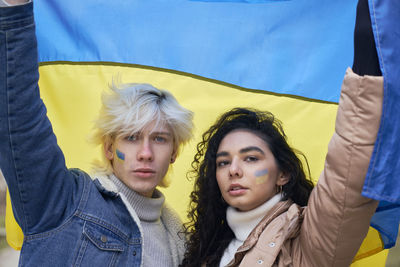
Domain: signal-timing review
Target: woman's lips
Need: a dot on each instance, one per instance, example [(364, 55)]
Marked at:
[(236, 190)]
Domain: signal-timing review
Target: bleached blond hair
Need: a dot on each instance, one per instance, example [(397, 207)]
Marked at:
[(130, 108)]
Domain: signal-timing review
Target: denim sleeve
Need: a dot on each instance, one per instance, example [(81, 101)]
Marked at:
[(43, 191)]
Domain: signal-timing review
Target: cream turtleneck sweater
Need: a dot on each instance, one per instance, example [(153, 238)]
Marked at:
[(155, 239), (242, 223)]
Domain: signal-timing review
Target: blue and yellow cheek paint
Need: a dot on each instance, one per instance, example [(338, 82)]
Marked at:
[(120, 155), (261, 176)]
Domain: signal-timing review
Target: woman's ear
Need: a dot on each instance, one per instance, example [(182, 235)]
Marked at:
[(108, 150), (282, 179)]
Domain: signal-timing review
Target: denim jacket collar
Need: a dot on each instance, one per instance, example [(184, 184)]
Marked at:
[(105, 185)]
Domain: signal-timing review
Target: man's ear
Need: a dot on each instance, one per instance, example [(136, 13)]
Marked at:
[(283, 179), (174, 155), (108, 150)]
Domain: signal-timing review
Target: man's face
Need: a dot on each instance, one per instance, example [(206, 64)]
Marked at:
[(141, 160)]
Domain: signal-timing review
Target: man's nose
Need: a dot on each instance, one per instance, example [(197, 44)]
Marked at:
[(145, 152)]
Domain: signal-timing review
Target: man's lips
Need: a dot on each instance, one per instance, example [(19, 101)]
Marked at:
[(144, 172)]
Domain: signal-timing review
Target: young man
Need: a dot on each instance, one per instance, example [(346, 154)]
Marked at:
[(117, 217)]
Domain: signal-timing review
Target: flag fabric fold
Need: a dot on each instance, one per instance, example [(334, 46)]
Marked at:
[(300, 47), (383, 178)]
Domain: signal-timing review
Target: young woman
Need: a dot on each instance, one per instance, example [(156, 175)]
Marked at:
[(248, 205), (252, 203)]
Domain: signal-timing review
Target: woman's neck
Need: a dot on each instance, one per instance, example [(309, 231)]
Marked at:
[(243, 222)]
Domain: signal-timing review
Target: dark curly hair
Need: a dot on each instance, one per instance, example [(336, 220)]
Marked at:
[(207, 229)]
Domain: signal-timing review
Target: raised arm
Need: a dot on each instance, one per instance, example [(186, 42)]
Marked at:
[(34, 167), (337, 217)]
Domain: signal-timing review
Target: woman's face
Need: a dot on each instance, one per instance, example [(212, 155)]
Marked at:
[(247, 173)]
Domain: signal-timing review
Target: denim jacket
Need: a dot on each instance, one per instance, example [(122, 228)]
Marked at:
[(67, 218)]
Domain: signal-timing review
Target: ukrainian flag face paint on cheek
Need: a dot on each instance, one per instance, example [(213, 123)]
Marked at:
[(261, 176), (120, 155)]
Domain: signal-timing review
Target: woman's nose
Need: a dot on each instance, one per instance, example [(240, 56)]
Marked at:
[(235, 170)]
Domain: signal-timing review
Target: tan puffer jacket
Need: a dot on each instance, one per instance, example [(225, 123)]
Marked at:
[(329, 231)]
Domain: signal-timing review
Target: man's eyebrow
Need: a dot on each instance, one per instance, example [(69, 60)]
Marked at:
[(161, 133), (251, 148)]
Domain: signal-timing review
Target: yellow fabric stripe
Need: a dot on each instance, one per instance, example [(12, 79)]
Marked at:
[(72, 92), (14, 235)]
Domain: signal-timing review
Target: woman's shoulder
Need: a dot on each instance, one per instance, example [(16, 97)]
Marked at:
[(284, 221)]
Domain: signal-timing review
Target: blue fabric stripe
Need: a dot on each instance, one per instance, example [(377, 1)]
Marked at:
[(297, 47), (386, 221), (240, 1), (383, 177)]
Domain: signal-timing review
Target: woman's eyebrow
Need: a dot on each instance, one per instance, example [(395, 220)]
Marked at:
[(222, 154), (242, 151), (251, 148)]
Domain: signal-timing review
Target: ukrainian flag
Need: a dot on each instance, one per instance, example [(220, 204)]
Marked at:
[(285, 56)]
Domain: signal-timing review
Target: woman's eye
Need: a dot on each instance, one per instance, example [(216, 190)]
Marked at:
[(222, 163), (251, 159)]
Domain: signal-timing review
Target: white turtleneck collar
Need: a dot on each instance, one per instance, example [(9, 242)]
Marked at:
[(243, 222)]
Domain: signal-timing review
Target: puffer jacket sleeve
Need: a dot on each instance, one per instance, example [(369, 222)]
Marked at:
[(337, 217)]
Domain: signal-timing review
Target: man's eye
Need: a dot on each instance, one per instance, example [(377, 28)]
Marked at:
[(132, 138), (160, 139)]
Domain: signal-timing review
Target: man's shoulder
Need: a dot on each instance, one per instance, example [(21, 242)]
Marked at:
[(169, 214)]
